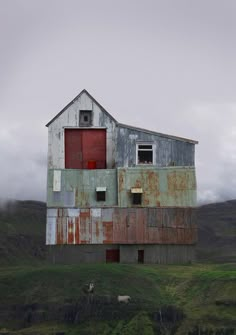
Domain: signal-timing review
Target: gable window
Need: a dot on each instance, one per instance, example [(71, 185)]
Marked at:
[(145, 153), (85, 118)]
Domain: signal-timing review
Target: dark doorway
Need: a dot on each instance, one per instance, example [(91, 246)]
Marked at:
[(140, 256), (112, 256)]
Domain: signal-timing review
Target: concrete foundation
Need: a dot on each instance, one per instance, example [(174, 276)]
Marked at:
[(138, 253)]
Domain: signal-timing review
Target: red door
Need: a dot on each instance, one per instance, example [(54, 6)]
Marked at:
[(112, 256), (85, 146)]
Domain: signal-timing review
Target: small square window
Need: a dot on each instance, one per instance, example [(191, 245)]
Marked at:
[(85, 118), (145, 154), (101, 196), (137, 198)]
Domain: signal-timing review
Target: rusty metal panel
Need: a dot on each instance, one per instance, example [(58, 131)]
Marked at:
[(85, 227), (119, 225), (71, 230), (141, 220), (96, 226), (61, 230), (131, 226), (107, 232), (126, 226), (162, 187)]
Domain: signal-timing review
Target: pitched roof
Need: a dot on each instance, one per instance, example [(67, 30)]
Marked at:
[(77, 97), (120, 124), (156, 133)]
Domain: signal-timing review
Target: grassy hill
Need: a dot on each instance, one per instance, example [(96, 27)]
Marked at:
[(38, 298), (172, 299), (217, 232), (22, 232)]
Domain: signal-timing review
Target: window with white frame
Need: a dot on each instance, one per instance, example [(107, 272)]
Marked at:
[(145, 153)]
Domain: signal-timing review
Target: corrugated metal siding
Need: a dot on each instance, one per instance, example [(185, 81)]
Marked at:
[(122, 225), (167, 150), (161, 186), (70, 118), (78, 188)]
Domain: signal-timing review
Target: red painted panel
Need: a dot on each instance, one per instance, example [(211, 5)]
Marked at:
[(84, 147), (73, 149), (112, 255), (94, 148)]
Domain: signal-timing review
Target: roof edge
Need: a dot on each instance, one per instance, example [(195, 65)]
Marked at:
[(76, 98), (183, 139)]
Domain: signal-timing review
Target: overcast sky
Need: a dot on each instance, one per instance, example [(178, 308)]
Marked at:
[(165, 65)]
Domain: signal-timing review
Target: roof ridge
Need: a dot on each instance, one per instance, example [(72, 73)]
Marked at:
[(76, 98)]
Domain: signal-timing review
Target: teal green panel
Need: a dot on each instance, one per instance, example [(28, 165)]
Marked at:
[(78, 188), (172, 186)]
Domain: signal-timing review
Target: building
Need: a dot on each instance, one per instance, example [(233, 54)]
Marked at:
[(117, 193)]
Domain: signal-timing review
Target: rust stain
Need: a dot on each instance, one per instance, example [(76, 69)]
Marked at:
[(138, 183), (70, 235), (108, 232), (77, 230), (121, 181), (97, 229), (142, 225)]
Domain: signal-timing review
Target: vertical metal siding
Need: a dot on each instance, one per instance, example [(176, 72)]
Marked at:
[(168, 150), (70, 118), (78, 188), (161, 186), (122, 225)]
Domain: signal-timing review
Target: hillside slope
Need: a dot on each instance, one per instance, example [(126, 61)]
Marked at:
[(217, 232), (22, 232), (23, 225)]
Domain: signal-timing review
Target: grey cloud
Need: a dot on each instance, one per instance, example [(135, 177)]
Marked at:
[(164, 65)]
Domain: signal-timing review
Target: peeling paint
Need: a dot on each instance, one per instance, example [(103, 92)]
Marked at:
[(128, 225)]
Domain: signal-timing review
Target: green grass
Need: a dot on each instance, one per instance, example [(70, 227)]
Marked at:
[(193, 288)]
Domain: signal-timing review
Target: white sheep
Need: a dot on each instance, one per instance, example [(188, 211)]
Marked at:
[(124, 298)]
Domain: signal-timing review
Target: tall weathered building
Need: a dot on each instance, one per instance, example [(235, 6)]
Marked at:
[(116, 192)]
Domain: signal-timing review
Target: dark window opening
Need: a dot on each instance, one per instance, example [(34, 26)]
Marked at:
[(140, 256), (145, 146), (137, 198), (101, 196), (85, 118), (145, 157), (145, 154)]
